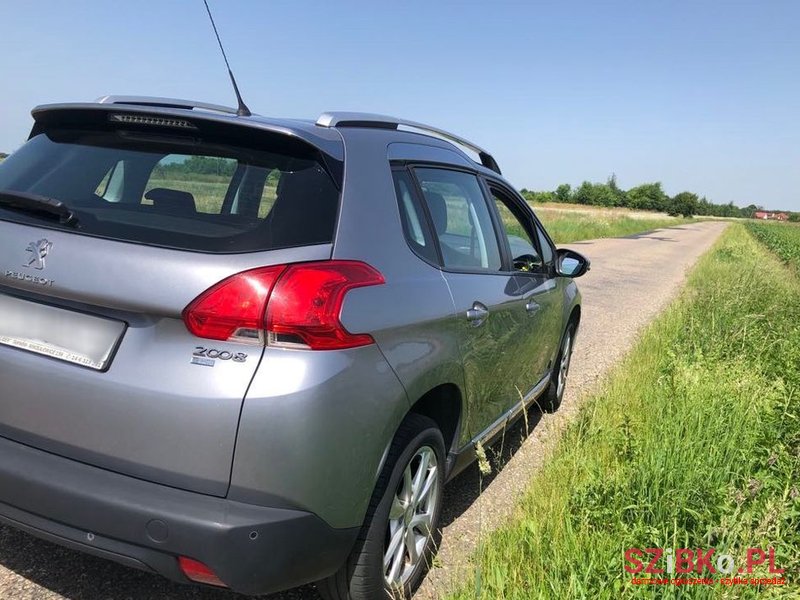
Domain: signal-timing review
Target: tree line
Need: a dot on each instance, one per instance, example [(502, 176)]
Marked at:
[(204, 165), (647, 196)]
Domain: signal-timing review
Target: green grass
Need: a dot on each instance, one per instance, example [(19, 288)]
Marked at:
[(573, 226), (782, 238), (693, 443), (209, 191)]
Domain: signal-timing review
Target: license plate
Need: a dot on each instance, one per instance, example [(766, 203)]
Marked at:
[(67, 335)]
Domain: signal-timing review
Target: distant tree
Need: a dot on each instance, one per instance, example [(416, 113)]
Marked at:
[(529, 195), (794, 217), (540, 197), (620, 198), (748, 210), (206, 165), (584, 194), (648, 196), (685, 203), (595, 194), (3, 155), (563, 193)]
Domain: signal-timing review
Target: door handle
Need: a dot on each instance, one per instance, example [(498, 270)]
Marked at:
[(477, 314), (532, 306)]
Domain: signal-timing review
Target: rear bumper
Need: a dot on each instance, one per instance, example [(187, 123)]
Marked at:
[(252, 549)]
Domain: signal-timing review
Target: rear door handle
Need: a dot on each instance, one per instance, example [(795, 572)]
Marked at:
[(532, 306), (477, 314)]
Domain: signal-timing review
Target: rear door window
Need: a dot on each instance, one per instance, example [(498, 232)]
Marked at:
[(461, 219), (203, 196)]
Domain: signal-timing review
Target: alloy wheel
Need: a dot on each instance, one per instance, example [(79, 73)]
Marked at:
[(411, 517), (563, 367)]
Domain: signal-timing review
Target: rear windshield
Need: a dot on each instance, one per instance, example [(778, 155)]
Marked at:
[(188, 193)]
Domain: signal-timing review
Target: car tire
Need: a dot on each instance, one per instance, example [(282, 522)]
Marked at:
[(550, 401), (399, 511)]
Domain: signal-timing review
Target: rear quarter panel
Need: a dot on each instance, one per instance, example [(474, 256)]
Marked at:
[(320, 443), (412, 316)]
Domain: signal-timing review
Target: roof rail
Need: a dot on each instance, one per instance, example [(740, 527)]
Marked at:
[(165, 103), (355, 119)]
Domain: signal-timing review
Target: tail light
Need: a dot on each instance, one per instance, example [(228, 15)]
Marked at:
[(293, 306), (198, 572), (233, 309)]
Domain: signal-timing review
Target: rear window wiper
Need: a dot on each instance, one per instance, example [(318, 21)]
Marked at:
[(38, 205)]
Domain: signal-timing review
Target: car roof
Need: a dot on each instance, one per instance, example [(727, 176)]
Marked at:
[(321, 133)]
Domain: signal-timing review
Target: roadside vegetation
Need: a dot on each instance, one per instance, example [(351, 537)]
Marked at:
[(694, 442), (587, 223), (647, 196), (782, 238)]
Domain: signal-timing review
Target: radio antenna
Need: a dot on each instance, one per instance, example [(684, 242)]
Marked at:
[(242, 110)]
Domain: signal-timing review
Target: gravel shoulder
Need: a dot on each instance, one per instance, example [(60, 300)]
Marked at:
[(631, 281)]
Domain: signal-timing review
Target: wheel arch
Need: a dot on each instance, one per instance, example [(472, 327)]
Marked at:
[(575, 316), (444, 405)]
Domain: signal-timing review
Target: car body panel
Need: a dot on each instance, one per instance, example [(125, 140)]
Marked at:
[(152, 413), (495, 352), (288, 443), (412, 316), (313, 431), (543, 298)]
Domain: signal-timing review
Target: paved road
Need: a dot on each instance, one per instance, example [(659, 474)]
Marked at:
[(631, 281)]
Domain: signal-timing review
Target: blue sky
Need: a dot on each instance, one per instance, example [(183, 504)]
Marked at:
[(703, 96)]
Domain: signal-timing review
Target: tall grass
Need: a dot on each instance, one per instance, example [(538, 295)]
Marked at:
[(573, 226), (694, 443)]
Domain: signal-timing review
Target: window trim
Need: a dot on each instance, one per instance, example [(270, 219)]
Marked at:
[(427, 223), (530, 221), (550, 242), (412, 166)]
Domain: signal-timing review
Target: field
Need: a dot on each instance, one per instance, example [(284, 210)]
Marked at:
[(571, 223), (694, 442), (209, 191), (782, 238)]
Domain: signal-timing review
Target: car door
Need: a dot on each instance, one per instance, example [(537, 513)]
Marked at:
[(532, 261), (489, 305)]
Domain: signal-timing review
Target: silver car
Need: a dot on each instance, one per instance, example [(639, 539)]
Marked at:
[(250, 352)]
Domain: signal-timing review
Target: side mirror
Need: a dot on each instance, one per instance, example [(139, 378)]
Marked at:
[(571, 264)]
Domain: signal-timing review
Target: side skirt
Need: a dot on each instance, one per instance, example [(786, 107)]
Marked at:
[(461, 459)]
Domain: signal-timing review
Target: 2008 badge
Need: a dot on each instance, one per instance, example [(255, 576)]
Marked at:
[(207, 356)]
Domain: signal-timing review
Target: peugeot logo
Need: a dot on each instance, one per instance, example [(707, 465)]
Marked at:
[(38, 251)]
